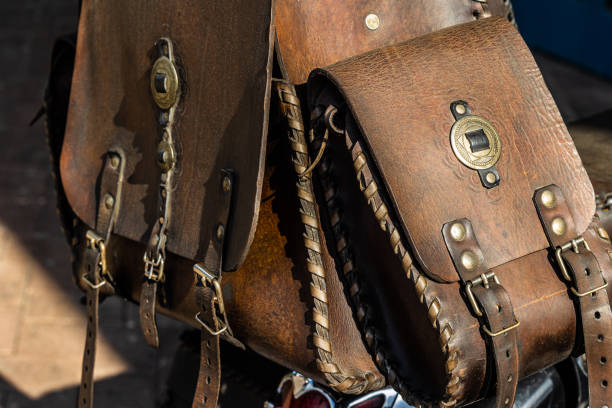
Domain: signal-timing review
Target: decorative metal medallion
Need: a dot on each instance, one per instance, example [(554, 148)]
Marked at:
[(476, 143), (164, 81)]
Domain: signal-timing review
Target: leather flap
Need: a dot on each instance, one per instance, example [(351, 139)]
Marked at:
[(223, 53), (400, 97)]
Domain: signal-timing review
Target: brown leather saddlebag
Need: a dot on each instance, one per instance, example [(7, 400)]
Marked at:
[(162, 167), (460, 216)]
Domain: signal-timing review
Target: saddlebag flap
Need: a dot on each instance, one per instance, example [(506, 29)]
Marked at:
[(221, 88), (450, 182)]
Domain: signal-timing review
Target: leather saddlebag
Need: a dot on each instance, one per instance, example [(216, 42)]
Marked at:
[(460, 216)]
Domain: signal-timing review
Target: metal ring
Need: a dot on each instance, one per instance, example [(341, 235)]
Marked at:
[(211, 331), (91, 285)]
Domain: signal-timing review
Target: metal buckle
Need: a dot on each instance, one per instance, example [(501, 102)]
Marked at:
[(154, 269), (208, 279), (96, 242), (484, 280), (574, 245)]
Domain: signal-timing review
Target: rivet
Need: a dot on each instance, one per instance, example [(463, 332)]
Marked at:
[(460, 108), (227, 184), (603, 234), (491, 178), (468, 260), (558, 226), (115, 161), (457, 231), (372, 21), (510, 378), (507, 401), (220, 232), (548, 199), (109, 201)]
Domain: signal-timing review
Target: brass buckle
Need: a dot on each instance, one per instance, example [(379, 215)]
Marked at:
[(208, 279), (96, 242), (154, 268), (484, 280), (574, 245)]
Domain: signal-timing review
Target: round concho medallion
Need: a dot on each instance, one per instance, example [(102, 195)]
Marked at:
[(164, 83), (487, 154)]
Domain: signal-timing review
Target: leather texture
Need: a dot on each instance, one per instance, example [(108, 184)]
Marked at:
[(588, 284), (494, 305), (390, 179), (505, 87), (317, 33), (267, 299), (221, 119), (209, 376), (92, 270)]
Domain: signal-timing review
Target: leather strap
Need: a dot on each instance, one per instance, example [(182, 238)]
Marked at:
[(94, 274), (210, 299), (581, 270), (209, 376), (146, 312), (490, 302)]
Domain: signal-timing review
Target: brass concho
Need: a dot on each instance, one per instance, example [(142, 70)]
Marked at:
[(164, 83), (480, 159)]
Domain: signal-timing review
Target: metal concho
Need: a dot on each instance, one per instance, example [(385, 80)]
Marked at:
[(480, 160), (164, 83)]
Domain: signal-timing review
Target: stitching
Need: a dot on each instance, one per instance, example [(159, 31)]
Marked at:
[(341, 382)]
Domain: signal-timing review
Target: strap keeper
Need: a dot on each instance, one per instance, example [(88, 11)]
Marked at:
[(502, 331)]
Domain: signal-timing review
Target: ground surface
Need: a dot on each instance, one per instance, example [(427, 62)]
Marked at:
[(42, 323)]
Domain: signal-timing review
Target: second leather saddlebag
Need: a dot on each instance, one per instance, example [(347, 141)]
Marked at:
[(460, 216)]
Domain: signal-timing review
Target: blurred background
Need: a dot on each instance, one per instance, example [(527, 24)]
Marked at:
[(42, 321)]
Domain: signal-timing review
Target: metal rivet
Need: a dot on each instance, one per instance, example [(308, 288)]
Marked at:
[(468, 260), (109, 201), (558, 226), (548, 199), (460, 109), (220, 232), (510, 378), (491, 178), (372, 22), (227, 184), (115, 161), (507, 401), (603, 234), (457, 231)]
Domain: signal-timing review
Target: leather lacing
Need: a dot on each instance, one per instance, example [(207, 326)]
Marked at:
[(373, 339)]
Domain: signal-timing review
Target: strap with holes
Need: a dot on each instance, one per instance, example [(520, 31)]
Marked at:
[(95, 274), (580, 269), (490, 301)]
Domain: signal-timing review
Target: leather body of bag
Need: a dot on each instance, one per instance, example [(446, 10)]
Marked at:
[(459, 207)]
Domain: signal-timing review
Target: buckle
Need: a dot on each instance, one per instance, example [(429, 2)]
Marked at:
[(484, 280), (154, 268), (210, 280), (574, 245), (96, 243)]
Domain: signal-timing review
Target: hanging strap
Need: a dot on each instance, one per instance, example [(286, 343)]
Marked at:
[(582, 272), (490, 302), (94, 268)]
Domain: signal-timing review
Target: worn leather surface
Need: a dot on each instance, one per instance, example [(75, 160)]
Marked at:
[(267, 299), (317, 33), (496, 308), (209, 375), (401, 99), (400, 96), (589, 286), (221, 119), (110, 187)]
